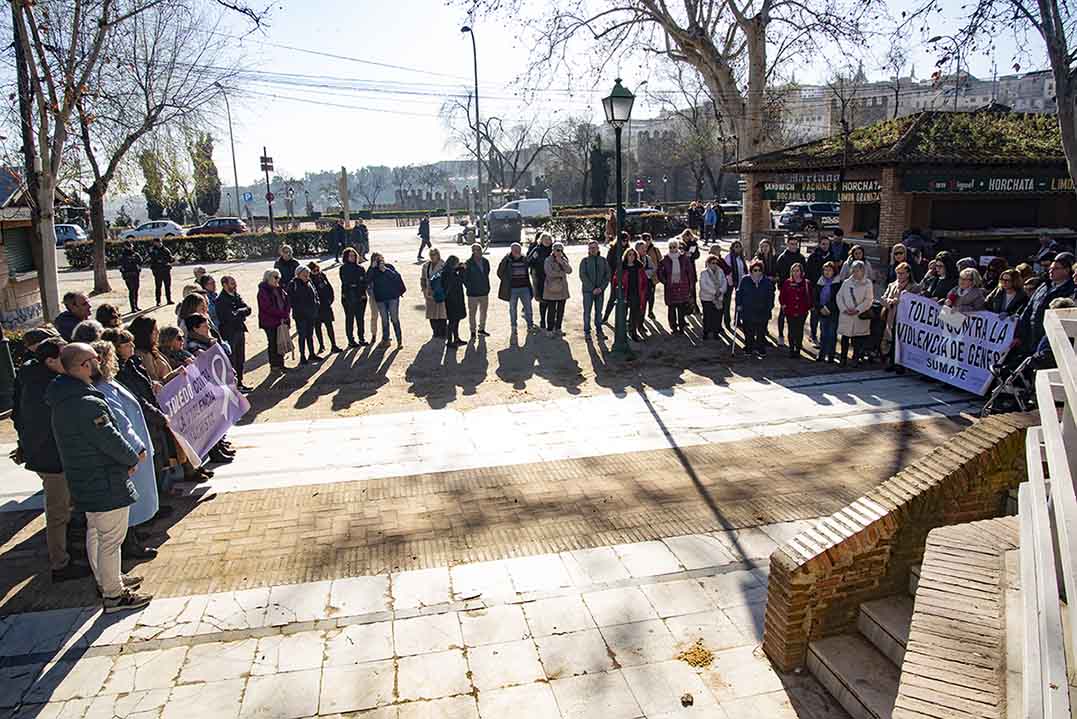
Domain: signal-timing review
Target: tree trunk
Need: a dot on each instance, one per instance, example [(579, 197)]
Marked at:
[(48, 278), (100, 237)]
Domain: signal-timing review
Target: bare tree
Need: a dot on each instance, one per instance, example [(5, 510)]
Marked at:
[(170, 55), (737, 46), (843, 88), (572, 143), (897, 58), (370, 182), (59, 47), (403, 179), (510, 148)]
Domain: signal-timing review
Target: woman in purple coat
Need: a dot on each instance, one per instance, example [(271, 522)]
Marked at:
[(678, 273)]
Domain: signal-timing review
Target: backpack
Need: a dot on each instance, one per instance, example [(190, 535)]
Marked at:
[(437, 287)]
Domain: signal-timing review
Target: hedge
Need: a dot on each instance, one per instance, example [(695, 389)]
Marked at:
[(209, 248), (584, 228)]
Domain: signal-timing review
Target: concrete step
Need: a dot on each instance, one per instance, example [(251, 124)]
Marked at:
[(856, 674), (914, 579), (885, 623)]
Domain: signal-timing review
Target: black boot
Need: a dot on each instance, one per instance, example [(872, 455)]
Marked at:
[(133, 548)]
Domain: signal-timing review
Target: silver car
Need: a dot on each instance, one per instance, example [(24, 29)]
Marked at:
[(154, 228), (69, 233)]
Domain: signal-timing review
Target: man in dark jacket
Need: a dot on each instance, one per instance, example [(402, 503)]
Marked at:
[(98, 463), (594, 277), (336, 238), (515, 285), (353, 295), (424, 236), (161, 259), (614, 255), (232, 314), (131, 271), (790, 256), (477, 284), (536, 260), (1029, 329), (78, 310), (360, 238), (37, 445)]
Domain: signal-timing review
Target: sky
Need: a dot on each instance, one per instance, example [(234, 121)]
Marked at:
[(345, 106)]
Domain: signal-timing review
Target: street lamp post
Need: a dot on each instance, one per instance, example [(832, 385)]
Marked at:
[(618, 109), (232, 142), (478, 135), (957, 52)]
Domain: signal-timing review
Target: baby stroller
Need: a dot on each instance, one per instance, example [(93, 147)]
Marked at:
[(1014, 387)]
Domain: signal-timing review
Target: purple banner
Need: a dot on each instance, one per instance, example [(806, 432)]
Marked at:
[(203, 403)]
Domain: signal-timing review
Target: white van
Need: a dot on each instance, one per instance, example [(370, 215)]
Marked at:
[(530, 209)]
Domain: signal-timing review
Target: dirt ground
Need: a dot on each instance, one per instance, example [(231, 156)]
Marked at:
[(492, 370)]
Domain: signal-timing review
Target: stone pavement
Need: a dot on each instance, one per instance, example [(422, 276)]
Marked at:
[(656, 629)]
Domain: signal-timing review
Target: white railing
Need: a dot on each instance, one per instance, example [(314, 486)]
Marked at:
[(1048, 515)]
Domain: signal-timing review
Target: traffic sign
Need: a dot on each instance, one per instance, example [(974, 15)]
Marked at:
[(639, 183), (267, 163), (248, 197), (269, 197)]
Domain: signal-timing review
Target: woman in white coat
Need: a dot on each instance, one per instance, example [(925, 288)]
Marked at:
[(131, 423), (855, 297), (712, 287)]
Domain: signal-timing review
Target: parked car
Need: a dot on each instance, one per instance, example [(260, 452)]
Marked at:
[(69, 233), (530, 209), (154, 228), (802, 216), (219, 226), (503, 226)]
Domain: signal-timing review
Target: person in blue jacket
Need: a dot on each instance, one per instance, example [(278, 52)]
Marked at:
[(755, 300)]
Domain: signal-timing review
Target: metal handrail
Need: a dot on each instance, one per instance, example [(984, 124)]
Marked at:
[(1048, 516)]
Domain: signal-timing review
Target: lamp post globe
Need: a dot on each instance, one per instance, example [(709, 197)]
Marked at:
[(618, 109)]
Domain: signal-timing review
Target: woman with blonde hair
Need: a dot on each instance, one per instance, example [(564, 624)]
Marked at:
[(430, 281), (903, 283)]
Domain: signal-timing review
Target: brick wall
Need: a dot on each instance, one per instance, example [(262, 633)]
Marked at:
[(819, 578), (756, 214), (893, 209)]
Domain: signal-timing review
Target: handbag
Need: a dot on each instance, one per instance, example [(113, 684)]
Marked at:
[(284, 340)]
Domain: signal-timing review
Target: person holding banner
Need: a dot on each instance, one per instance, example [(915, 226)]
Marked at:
[(943, 282), (1030, 330), (903, 282), (1009, 297), (854, 300), (968, 296)]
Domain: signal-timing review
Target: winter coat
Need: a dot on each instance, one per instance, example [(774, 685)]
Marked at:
[(795, 298), (997, 302), (504, 275), (353, 285), (691, 248), (386, 283), (326, 296), (972, 301), (130, 263), (434, 310), (160, 259), (95, 456), (197, 345), (611, 228), (710, 217), (654, 254), (785, 262), (642, 284), (683, 291), (614, 255), (304, 297), (893, 293), (1030, 326), (274, 306), (477, 277), (650, 267), (832, 301), (536, 261), (839, 250), (594, 274), (132, 426), (360, 236), (738, 269), (33, 419), (937, 288), (232, 314), (287, 269), (335, 237), (65, 323), (755, 302), (712, 286), (770, 264), (813, 266), (555, 283), (136, 380), (846, 270), (455, 306), (857, 296), (424, 228), (156, 365)]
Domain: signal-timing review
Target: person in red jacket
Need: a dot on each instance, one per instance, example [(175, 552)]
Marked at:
[(795, 298), (274, 310), (632, 277)]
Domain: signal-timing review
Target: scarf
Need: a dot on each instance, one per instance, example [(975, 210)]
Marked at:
[(675, 267)]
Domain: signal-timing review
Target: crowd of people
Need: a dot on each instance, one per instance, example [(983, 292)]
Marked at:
[(89, 423)]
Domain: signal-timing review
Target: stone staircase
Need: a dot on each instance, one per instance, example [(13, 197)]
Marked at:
[(862, 670)]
